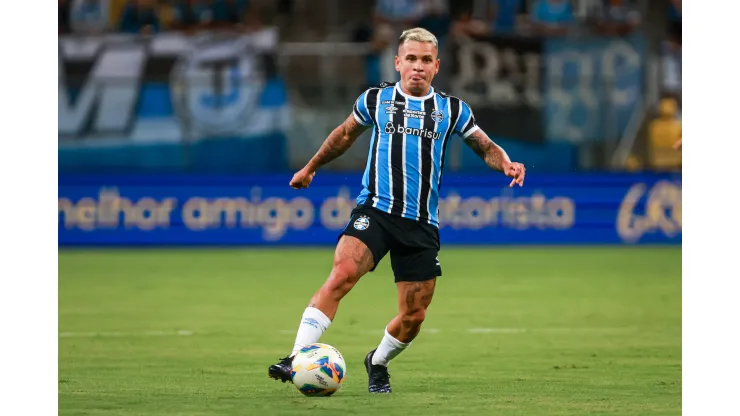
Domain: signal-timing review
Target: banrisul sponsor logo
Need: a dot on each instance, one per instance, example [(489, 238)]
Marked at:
[(427, 134)]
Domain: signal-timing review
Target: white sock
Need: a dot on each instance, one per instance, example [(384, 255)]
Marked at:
[(388, 349), (313, 324)]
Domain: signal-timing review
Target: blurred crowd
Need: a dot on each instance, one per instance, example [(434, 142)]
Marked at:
[(151, 16), (664, 130), (442, 17)]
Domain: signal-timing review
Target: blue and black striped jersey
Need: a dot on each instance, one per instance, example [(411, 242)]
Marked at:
[(407, 148)]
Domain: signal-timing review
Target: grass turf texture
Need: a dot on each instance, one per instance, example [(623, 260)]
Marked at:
[(511, 331)]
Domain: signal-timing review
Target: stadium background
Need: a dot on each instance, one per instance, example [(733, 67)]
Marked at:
[(189, 136), (181, 123)]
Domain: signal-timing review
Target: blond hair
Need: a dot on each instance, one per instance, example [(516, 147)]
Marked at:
[(419, 35)]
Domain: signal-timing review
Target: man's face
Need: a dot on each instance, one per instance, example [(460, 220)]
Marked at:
[(418, 64)]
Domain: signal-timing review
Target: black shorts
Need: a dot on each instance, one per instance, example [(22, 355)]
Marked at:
[(414, 246)]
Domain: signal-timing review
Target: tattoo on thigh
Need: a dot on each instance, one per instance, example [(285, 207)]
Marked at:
[(352, 248), (411, 295), (426, 299)]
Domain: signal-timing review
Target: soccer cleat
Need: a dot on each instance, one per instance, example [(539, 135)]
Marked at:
[(378, 377), (283, 370)]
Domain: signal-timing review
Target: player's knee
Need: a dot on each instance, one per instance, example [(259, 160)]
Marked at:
[(343, 278), (414, 318), (346, 270)]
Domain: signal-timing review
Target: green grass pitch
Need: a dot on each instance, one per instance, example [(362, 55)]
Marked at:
[(511, 331)]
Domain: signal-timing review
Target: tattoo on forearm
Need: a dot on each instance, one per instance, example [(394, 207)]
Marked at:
[(490, 152), (337, 142)]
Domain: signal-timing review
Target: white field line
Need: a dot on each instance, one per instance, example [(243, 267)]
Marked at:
[(494, 330), (185, 333), (180, 333)]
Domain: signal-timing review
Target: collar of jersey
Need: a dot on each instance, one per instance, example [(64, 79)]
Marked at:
[(412, 97)]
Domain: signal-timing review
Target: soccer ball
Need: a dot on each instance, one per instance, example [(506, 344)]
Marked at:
[(318, 370)]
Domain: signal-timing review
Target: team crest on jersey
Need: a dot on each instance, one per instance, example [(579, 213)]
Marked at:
[(437, 116), (389, 129), (362, 223)]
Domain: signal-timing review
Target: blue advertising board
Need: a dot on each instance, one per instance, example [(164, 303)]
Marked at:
[(161, 210)]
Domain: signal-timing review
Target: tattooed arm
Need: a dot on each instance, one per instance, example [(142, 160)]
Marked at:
[(490, 152), (337, 143), (334, 146), (495, 157)]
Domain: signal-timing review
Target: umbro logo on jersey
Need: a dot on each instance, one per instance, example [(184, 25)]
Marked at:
[(391, 109)]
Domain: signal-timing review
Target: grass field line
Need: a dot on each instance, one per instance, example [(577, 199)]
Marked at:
[(180, 333), (494, 330), (185, 333)]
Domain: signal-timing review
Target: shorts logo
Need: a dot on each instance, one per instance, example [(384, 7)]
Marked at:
[(437, 116), (362, 223), (389, 129)]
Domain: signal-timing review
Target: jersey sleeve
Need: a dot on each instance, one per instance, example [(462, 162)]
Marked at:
[(360, 110), (466, 123)]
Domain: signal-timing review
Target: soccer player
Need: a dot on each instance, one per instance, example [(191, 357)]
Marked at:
[(397, 210)]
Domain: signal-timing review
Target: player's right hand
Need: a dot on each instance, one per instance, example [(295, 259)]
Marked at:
[(302, 179)]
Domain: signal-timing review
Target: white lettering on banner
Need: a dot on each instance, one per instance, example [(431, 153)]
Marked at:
[(108, 96), (276, 216), (618, 57), (111, 211), (565, 99), (273, 215), (215, 85), (662, 211), (519, 213), (577, 93), (336, 211), (483, 83)]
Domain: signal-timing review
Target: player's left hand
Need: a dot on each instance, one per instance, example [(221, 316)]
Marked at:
[(517, 171)]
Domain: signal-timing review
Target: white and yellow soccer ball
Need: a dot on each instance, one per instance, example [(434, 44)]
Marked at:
[(318, 370)]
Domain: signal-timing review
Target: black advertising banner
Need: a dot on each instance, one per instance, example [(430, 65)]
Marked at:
[(501, 79)]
